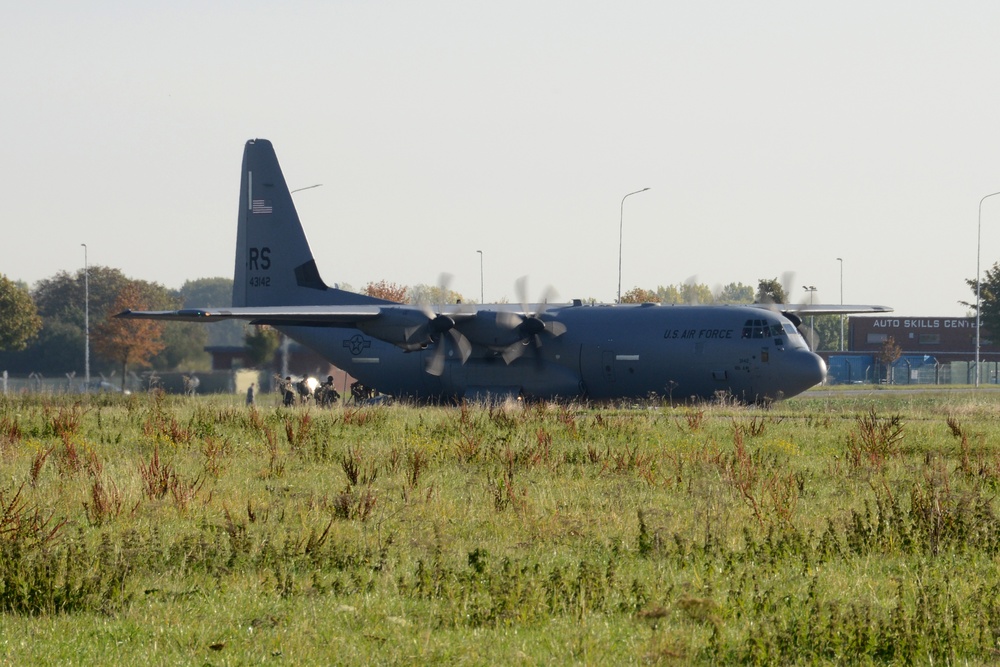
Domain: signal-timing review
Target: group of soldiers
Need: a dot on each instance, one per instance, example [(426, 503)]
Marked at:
[(324, 395)]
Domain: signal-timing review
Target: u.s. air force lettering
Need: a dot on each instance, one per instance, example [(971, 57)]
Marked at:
[(696, 334)]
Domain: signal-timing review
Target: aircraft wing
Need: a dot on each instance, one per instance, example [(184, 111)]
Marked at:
[(287, 315), (409, 327), (822, 309)]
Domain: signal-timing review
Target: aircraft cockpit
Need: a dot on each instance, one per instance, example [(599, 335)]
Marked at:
[(761, 329)]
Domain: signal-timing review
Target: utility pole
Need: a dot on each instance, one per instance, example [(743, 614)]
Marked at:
[(841, 303), (86, 320), (482, 299), (621, 223)]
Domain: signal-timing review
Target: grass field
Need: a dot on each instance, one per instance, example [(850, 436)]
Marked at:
[(831, 528)]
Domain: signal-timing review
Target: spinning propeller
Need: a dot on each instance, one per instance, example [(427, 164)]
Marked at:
[(530, 326), (791, 310), (435, 329)]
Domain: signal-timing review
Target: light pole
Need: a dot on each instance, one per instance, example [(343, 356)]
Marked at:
[(979, 236), (86, 320), (839, 259), (482, 299), (812, 318), (621, 219)]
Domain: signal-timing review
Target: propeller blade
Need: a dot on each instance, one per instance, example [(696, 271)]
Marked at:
[(438, 324), (788, 283), (690, 291), (549, 296), (409, 333), (555, 328), (793, 317), (512, 353), (521, 289), (507, 319), (462, 343), (435, 365), (530, 325)]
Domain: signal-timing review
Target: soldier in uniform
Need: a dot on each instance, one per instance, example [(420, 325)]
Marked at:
[(326, 394)]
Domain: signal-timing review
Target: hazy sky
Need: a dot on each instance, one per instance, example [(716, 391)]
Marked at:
[(775, 137)]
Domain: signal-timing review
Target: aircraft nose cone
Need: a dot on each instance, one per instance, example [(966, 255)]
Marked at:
[(806, 370)]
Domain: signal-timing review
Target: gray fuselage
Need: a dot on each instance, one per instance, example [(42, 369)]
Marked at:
[(606, 352)]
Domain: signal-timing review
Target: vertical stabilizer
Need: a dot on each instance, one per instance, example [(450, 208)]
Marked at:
[(274, 265)]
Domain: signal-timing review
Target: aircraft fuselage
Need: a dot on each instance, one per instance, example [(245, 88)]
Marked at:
[(679, 352)]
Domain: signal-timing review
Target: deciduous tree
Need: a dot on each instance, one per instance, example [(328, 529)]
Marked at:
[(669, 294), (213, 293), (261, 343), (687, 293), (61, 302), (769, 290), (128, 341), (384, 289), (989, 301), (735, 293), (19, 320), (640, 295), (827, 329), (695, 294), (433, 295), (887, 355)]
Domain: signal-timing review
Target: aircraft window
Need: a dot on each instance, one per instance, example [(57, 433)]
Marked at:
[(790, 328), (776, 329), (756, 329)]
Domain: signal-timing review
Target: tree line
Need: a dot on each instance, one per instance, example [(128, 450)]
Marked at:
[(42, 329)]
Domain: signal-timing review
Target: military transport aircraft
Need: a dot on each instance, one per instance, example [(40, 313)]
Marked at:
[(543, 351)]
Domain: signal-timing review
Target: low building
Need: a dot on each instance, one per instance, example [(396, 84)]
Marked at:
[(936, 350)]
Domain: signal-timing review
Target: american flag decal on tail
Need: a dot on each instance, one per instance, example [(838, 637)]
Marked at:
[(260, 206)]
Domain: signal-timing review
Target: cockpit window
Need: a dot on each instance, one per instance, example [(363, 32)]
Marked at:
[(765, 329), (756, 329)]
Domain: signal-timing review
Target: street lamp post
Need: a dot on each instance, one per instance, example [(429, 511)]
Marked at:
[(621, 219), (482, 299), (86, 319), (979, 236), (839, 259), (812, 318)]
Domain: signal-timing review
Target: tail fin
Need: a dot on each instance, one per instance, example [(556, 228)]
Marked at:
[(274, 265)]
